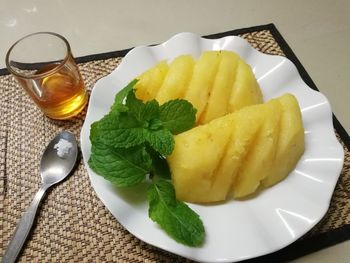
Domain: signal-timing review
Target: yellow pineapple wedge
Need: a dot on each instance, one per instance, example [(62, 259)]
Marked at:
[(261, 153), (217, 104), (202, 80), (218, 83), (177, 79), (195, 158), (207, 158), (245, 90), (150, 81), (236, 153), (291, 143), (246, 124)]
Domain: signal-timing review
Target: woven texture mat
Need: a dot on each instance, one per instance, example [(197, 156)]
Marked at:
[(73, 224)]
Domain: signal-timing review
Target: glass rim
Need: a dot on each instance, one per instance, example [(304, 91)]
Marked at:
[(40, 75)]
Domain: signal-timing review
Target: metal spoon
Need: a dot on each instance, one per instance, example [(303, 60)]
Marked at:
[(53, 169)]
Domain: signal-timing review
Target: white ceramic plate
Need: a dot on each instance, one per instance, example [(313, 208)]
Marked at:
[(235, 230)]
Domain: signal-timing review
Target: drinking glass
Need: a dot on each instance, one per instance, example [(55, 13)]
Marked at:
[(44, 66)]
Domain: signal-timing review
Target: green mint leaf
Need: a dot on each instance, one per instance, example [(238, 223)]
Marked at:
[(155, 124), (160, 166), (151, 110), (94, 131), (134, 105), (121, 130), (142, 111), (177, 115), (122, 167), (161, 141), (120, 96), (175, 217)]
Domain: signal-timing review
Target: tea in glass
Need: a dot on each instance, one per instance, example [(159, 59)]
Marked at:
[(44, 66)]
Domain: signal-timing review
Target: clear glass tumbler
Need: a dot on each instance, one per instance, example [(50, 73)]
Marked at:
[(44, 66)]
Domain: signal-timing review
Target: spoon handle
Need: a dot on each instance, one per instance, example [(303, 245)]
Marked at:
[(23, 227)]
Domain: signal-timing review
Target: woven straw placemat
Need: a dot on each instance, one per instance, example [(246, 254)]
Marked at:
[(73, 225)]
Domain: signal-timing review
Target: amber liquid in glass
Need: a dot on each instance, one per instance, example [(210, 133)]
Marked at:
[(61, 94)]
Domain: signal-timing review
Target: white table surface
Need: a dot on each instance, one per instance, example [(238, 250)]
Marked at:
[(318, 31)]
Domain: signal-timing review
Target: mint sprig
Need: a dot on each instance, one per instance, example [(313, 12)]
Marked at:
[(123, 167), (132, 142), (175, 217), (177, 115)]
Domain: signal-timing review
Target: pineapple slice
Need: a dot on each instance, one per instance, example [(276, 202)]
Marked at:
[(291, 143), (245, 90), (150, 81), (202, 80), (177, 79), (217, 105), (261, 154), (246, 124), (195, 158)]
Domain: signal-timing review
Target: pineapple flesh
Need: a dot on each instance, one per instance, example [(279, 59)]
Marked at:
[(218, 83), (236, 153), (239, 144)]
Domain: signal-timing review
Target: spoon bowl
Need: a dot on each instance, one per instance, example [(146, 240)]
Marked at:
[(54, 168)]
